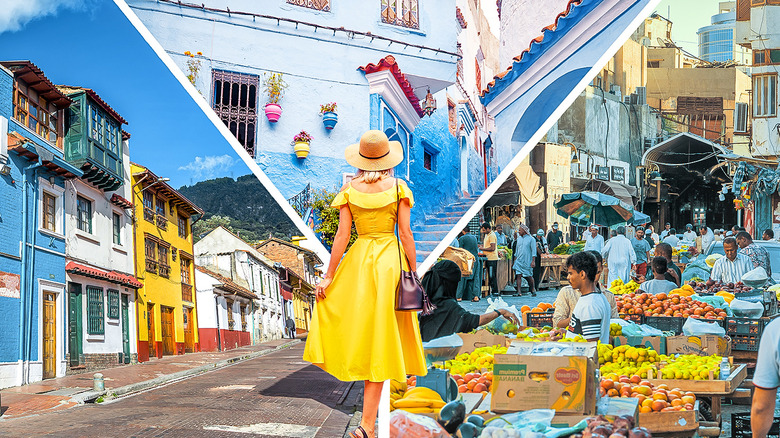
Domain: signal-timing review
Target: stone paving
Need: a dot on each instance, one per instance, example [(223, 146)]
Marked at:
[(273, 395)]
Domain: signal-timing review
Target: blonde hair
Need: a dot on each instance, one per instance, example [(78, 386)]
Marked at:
[(372, 176)]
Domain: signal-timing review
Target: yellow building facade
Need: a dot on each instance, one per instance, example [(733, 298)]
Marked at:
[(164, 264)]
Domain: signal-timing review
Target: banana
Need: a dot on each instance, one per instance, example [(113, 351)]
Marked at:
[(413, 403), (422, 392), (419, 410)]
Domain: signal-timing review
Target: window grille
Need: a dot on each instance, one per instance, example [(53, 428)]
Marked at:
[(113, 304), (95, 310), (234, 100), (400, 13)]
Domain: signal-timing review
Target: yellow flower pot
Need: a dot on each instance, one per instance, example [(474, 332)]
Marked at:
[(301, 149)]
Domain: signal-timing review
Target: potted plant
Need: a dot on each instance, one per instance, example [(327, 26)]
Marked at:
[(329, 116), (274, 86), (301, 144)]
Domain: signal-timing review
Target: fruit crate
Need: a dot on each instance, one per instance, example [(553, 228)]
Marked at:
[(637, 318), (666, 323), (745, 333), (538, 319), (740, 426)]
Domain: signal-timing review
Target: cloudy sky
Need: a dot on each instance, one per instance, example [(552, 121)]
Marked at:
[(90, 43)]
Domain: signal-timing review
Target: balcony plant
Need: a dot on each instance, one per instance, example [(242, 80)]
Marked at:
[(301, 144), (329, 115), (274, 86)]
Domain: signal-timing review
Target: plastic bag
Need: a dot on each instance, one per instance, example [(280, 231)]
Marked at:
[(499, 323), (755, 278), (405, 424), (697, 268), (715, 301), (746, 309), (697, 327), (519, 424)]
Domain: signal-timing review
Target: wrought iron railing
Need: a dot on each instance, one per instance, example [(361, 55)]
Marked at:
[(302, 201)]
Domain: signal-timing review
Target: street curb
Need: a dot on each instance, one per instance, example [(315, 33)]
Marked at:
[(109, 394)]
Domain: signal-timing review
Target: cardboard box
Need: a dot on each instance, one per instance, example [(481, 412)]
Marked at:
[(705, 345), (657, 343), (560, 376), (482, 338)]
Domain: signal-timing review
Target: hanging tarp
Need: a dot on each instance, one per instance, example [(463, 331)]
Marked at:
[(522, 188)]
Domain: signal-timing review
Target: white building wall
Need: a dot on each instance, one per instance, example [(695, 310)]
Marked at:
[(522, 21)]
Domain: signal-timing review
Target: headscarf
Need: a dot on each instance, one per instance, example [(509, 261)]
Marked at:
[(525, 228), (441, 284)]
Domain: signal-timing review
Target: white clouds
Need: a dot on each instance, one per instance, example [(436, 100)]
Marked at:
[(209, 166), (14, 14)]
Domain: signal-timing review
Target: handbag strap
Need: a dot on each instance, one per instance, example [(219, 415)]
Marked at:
[(397, 229)]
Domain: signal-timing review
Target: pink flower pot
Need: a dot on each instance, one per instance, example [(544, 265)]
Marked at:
[(273, 111)]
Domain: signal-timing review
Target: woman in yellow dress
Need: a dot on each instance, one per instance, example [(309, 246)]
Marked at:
[(355, 332)]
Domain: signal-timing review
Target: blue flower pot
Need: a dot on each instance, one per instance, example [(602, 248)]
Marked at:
[(329, 119)]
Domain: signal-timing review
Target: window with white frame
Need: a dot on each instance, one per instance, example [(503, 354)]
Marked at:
[(84, 214), (764, 95), (116, 226), (50, 198)]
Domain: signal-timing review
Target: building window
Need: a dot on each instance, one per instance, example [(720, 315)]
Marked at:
[(150, 251), (94, 310), (40, 116), (113, 303), (653, 64), (234, 100), (429, 157), (149, 207), (162, 261), (183, 227), (320, 5), (229, 305), (84, 214), (400, 13), (243, 317), (117, 227), (160, 207), (49, 212), (764, 95), (185, 270)]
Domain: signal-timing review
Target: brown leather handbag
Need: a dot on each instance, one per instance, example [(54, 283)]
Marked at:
[(410, 295)]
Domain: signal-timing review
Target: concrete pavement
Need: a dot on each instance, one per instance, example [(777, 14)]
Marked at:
[(276, 394)]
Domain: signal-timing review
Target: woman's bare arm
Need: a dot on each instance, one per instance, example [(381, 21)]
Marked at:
[(341, 239), (405, 233)]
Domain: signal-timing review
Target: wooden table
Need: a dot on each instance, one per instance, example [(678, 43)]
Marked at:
[(552, 268)]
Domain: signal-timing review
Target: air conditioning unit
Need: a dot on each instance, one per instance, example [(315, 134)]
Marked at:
[(741, 117), (627, 99), (634, 98), (641, 95), (649, 142), (615, 90)]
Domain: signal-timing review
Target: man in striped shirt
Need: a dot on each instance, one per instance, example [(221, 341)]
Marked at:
[(591, 314), (731, 268), (757, 255)]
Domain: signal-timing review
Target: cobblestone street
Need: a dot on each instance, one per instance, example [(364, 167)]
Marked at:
[(276, 395)]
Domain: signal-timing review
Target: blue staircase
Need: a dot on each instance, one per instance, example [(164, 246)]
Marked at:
[(428, 235)]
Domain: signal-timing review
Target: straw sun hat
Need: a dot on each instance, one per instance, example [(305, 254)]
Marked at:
[(374, 152)]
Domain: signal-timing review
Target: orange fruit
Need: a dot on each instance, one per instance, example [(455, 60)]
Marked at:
[(462, 388), (612, 392), (659, 396), (658, 405), (525, 308), (479, 387), (677, 402), (687, 399), (645, 409), (648, 403)]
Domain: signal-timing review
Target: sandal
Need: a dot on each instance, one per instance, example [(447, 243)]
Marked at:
[(475, 299), (354, 433)]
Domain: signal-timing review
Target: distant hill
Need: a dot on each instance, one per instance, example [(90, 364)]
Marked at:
[(243, 205)]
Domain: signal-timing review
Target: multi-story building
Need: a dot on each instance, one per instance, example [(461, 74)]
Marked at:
[(225, 311), (225, 254), (298, 273), (164, 262), (33, 173), (717, 42), (100, 266)]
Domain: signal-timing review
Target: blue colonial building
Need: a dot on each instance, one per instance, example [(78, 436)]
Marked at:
[(377, 60), (32, 220)]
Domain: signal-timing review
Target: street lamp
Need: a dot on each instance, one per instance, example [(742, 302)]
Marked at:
[(429, 104)]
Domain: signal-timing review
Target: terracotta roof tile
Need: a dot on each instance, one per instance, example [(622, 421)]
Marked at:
[(112, 276), (227, 284), (388, 63)]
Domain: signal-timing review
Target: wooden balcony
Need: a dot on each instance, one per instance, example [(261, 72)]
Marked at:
[(186, 292), (148, 214), (162, 223), (151, 266), (164, 271)]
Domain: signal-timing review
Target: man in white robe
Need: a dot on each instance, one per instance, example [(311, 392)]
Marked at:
[(620, 257)]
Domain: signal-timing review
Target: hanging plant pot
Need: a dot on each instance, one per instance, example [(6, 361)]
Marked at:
[(301, 149), (329, 119), (273, 111)]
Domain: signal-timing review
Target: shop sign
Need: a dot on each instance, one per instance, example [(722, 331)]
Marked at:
[(618, 174), (602, 173)]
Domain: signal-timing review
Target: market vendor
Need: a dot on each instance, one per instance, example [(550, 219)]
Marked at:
[(659, 283), (554, 237), (525, 253), (441, 284), (568, 297), (642, 249), (768, 234), (707, 237), (593, 240), (689, 235), (591, 314), (667, 229), (731, 268), (620, 256), (500, 236), (673, 272), (757, 255)]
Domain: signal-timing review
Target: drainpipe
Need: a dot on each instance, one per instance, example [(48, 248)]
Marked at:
[(219, 336), (25, 303)]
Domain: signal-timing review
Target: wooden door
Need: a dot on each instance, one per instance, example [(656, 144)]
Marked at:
[(125, 329), (75, 334), (188, 323), (150, 328), (49, 335), (166, 324)]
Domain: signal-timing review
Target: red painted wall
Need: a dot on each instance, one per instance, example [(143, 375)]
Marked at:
[(143, 351), (230, 339)]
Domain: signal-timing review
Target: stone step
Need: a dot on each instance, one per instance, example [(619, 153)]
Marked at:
[(429, 227)]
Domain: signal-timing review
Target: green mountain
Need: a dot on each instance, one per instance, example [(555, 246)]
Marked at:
[(243, 206)]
